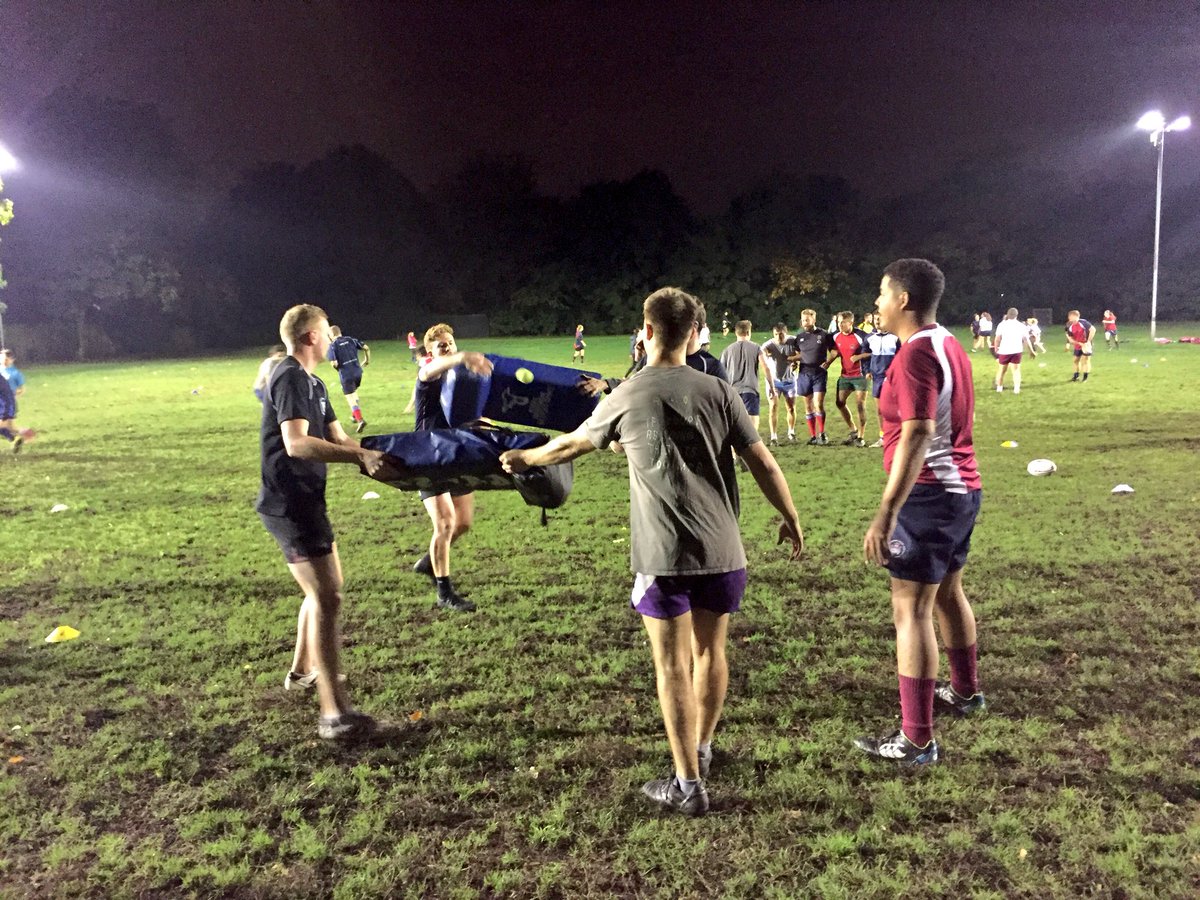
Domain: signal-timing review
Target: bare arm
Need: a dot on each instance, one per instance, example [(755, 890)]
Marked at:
[(341, 448), (774, 486), (915, 437), (366, 355), (563, 448), (440, 365)]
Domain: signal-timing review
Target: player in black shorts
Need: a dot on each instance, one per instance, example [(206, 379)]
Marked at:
[(812, 350), (300, 434), (451, 512)]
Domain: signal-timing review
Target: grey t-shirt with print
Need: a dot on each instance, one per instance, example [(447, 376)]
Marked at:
[(677, 427)]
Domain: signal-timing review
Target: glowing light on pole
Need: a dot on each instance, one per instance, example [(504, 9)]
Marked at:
[(1155, 123)]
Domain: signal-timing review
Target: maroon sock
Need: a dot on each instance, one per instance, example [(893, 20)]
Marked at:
[(916, 709), (820, 424), (964, 676)]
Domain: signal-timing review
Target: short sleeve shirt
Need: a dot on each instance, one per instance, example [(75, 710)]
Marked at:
[(1078, 331), (813, 347), (8, 403), (883, 346), (930, 378), (1010, 336), (1110, 323), (740, 360), (14, 377), (294, 488), (849, 345), (678, 429), (777, 353), (344, 351)]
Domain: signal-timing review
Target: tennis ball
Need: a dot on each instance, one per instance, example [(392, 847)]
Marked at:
[(524, 376)]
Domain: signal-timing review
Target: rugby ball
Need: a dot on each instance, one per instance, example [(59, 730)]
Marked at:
[(1041, 467)]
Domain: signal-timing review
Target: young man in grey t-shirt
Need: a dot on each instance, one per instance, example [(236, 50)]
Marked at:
[(678, 428), (740, 360)]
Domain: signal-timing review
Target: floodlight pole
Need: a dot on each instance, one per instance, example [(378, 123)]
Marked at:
[(1162, 143)]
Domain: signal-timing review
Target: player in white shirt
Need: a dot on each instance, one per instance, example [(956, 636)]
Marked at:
[(1009, 342), (1035, 335)]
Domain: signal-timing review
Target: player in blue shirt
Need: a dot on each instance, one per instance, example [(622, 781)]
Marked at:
[(343, 354), (12, 385)]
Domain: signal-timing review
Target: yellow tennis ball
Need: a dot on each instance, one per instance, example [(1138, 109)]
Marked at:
[(524, 376)]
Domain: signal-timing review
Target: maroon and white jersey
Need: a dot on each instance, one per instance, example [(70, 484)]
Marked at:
[(930, 378)]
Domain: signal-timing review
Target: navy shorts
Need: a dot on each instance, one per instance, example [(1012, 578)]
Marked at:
[(670, 596), (351, 378), (8, 408), (752, 401), (301, 539), (456, 492), (877, 385), (809, 383), (933, 534)]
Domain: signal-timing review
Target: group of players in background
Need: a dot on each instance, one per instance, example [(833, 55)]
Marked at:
[(681, 423)]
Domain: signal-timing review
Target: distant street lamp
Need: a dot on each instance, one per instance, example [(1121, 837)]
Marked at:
[(1156, 124)]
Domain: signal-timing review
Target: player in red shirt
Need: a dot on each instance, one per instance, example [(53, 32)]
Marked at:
[(850, 346), (1112, 337), (1080, 336), (922, 530)]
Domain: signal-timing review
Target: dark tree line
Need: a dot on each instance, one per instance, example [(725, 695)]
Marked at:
[(118, 248)]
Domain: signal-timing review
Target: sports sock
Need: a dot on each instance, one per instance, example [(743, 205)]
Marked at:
[(444, 587), (1075, 377), (820, 423), (356, 413), (687, 785), (916, 709), (1085, 375), (774, 436), (811, 421), (964, 674)]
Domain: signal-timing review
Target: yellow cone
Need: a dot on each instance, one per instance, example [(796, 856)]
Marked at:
[(62, 633)]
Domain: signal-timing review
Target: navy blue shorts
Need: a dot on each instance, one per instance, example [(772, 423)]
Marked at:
[(809, 383), (670, 596), (351, 378), (752, 402), (877, 385), (933, 534), (301, 539), (8, 408)]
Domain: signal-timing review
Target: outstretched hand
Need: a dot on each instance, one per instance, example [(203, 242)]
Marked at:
[(790, 531), (589, 386)]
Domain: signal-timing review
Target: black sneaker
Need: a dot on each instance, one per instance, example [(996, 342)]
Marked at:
[(899, 749), (962, 706), (362, 423), (852, 440), (424, 566), (18, 441), (813, 441), (666, 792), (455, 603), (346, 727)]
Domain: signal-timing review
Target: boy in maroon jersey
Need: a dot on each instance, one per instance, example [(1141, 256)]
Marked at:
[(922, 530), (850, 346)]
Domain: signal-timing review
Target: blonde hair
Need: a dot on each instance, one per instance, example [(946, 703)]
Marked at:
[(743, 327), (298, 321), (434, 331), (335, 330)]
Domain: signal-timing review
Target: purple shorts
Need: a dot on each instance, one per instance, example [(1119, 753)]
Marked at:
[(669, 596)]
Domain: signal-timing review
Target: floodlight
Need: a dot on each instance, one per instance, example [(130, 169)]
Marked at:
[(1151, 121), (1183, 123), (8, 162)]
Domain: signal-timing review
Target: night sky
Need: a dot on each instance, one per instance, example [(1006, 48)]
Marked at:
[(889, 95)]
